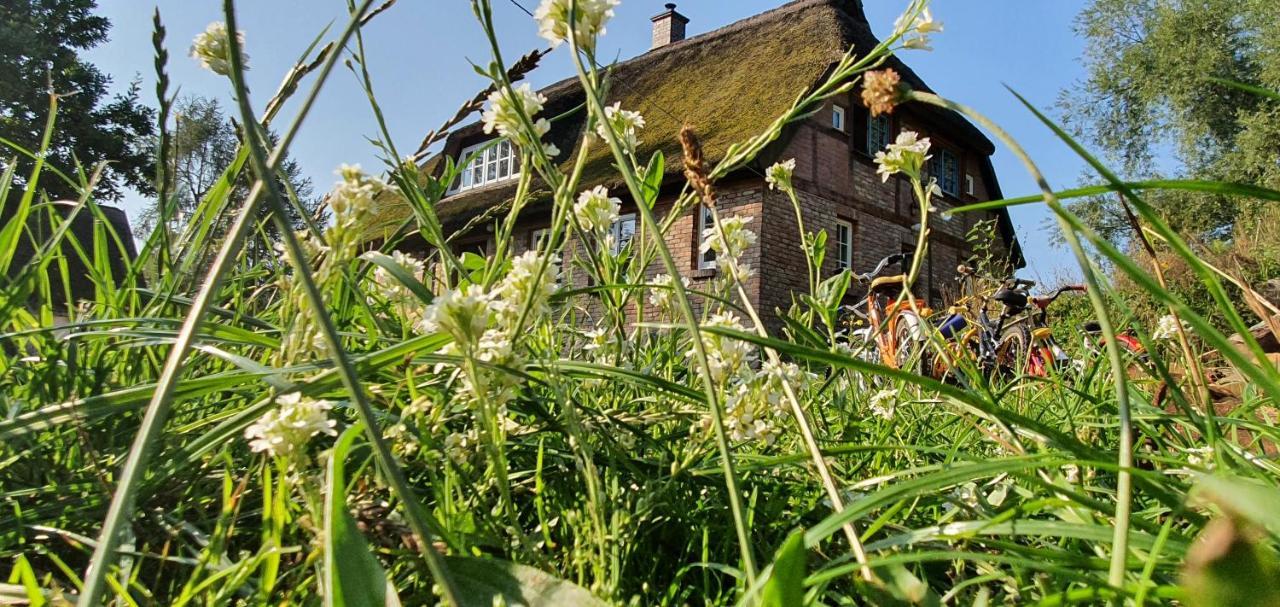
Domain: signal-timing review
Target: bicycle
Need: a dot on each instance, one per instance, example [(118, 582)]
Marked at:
[(1016, 339), (892, 334)]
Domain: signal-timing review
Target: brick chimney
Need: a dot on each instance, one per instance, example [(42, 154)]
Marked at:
[(668, 27)]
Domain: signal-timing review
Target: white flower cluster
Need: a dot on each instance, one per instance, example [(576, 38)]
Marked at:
[(352, 202), (504, 116), (915, 26), (213, 49), (407, 307), (1167, 328), (662, 295), (285, 430), (625, 123), (528, 280), (483, 324), (754, 410), (779, 175), (730, 239), (905, 155), (884, 403), (582, 19), (596, 211), (460, 446)]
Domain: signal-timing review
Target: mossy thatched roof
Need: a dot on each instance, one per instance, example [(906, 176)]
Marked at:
[(728, 84)]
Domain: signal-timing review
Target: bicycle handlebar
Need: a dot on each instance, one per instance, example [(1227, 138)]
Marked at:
[(895, 259)]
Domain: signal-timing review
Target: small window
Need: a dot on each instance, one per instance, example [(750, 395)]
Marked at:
[(622, 231), (878, 134), (487, 165), (707, 260), (968, 185), (837, 118), (538, 237), (844, 244), (945, 167)]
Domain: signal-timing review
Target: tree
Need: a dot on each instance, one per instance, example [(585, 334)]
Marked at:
[(1148, 98), (203, 144), (39, 45)]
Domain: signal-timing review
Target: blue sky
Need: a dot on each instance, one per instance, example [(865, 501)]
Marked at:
[(419, 53)]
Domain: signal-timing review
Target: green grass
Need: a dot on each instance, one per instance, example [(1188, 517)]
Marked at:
[(563, 470)]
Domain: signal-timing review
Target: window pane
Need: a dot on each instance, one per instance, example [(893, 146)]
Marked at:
[(491, 171), (504, 149), (708, 259), (504, 168), (626, 229)]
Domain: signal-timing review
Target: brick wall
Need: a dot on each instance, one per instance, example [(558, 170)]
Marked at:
[(835, 179)]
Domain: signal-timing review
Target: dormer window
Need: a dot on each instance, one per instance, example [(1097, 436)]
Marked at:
[(491, 164)]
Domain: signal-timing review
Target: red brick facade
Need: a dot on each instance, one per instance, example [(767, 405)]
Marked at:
[(835, 179)]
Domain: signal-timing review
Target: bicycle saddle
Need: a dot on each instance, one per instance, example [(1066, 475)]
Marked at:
[(1012, 298)]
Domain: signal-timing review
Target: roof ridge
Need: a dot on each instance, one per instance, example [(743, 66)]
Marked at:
[(754, 20)]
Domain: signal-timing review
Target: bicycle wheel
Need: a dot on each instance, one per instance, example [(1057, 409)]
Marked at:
[(909, 345), (1011, 353)]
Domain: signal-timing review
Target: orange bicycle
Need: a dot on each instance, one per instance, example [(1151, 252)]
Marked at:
[(890, 327)]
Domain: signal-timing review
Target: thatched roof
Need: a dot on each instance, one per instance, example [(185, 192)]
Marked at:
[(728, 84)]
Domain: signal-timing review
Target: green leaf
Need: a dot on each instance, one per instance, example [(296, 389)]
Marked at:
[(786, 584), (1252, 501), (352, 576), (1228, 568), (401, 274), (480, 581), (653, 178)]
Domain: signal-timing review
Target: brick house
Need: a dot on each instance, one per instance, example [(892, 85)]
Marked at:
[(729, 84)]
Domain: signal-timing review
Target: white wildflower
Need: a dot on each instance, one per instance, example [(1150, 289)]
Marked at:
[(730, 239), (503, 113), (625, 123), (906, 155), (463, 313), (523, 286), (779, 175), (726, 356), (662, 295), (597, 339), (589, 18), (285, 430), (353, 196), (915, 29), (459, 446), (1167, 327), (212, 48), (1200, 456), (596, 210), (884, 403)]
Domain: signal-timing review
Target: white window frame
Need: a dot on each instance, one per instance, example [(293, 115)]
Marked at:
[(844, 244), (707, 260), (969, 187), (535, 244), (837, 118), (487, 166), (536, 236), (615, 230), (874, 145)]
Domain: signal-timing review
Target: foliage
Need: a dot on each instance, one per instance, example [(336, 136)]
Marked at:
[(504, 437), (1148, 95), (40, 42), (202, 146)]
